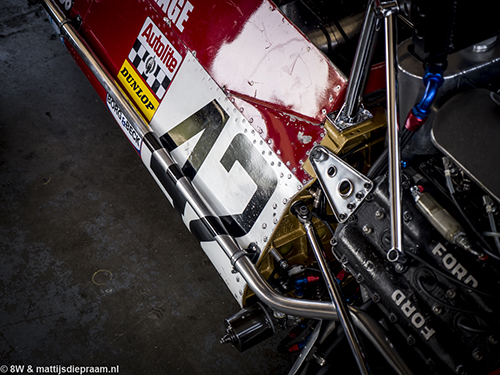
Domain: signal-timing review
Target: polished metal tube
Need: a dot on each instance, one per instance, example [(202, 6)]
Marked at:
[(97, 68), (393, 142), (379, 339), (329, 38), (337, 300), (360, 68)]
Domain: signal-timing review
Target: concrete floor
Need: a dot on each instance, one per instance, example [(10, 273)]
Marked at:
[(97, 268)]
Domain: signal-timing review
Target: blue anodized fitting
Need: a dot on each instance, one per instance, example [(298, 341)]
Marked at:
[(433, 79)]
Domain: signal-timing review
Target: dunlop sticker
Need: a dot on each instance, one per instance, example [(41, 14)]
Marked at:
[(138, 90)]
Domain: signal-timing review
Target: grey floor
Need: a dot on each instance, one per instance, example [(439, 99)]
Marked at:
[(96, 267)]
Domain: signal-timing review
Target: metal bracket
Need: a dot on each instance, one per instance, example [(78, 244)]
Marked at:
[(344, 186), (342, 121)]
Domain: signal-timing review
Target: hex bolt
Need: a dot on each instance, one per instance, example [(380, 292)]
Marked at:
[(342, 217), (492, 340), (407, 216), (359, 195), (367, 185), (393, 318), (351, 206), (320, 360), (375, 297), (437, 309), (379, 214), (360, 278), (367, 229), (451, 293), (477, 355), (399, 267), (410, 340)]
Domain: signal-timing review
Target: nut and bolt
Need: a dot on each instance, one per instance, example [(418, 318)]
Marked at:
[(367, 185), (437, 309), (477, 355), (333, 242), (375, 297), (410, 340), (367, 229), (369, 197), (360, 278), (460, 370), (399, 267), (393, 318), (352, 219), (379, 214), (351, 206), (342, 217), (451, 293), (407, 216), (359, 195), (492, 340)]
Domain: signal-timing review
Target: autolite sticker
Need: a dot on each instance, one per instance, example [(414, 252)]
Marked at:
[(138, 90), (155, 59)]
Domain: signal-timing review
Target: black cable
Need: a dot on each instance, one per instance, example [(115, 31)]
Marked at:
[(381, 164), (325, 223), (486, 249), (451, 307), (449, 277), (465, 327)]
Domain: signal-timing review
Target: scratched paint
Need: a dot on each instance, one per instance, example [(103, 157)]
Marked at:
[(271, 61)]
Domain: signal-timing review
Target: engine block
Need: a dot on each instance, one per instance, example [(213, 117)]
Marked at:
[(442, 300)]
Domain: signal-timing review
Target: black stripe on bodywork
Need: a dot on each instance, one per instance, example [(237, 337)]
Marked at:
[(153, 142), (206, 228), (168, 179)]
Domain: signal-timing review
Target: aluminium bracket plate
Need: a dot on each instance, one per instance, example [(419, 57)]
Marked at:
[(343, 185)]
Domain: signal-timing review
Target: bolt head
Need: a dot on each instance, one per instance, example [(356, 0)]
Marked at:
[(451, 293), (436, 309)]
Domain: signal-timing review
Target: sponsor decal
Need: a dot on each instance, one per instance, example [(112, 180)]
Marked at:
[(154, 58), (177, 11), (67, 4), (126, 126), (138, 90)]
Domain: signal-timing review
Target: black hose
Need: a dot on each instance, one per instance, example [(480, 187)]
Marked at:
[(381, 164)]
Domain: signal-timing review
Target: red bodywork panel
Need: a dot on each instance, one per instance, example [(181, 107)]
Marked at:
[(250, 50)]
